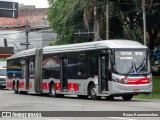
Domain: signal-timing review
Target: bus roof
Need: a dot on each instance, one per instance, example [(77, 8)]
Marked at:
[(94, 45), (82, 46), (24, 53)]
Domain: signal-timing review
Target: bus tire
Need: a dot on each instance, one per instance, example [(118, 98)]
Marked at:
[(127, 97), (15, 88), (53, 90), (92, 92)]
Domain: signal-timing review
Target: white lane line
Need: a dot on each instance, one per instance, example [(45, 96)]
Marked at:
[(63, 118), (120, 118), (148, 103), (77, 105)]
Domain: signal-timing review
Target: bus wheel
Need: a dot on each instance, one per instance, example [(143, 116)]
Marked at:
[(127, 97), (92, 92), (15, 88), (53, 90)]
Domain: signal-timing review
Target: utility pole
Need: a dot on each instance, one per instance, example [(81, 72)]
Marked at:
[(27, 31), (107, 22), (144, 21)]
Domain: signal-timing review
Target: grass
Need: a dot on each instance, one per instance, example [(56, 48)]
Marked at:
[(155, 91)]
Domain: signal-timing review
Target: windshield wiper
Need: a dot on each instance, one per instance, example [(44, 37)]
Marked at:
[(129, 71), (141, 66), (133, 65)]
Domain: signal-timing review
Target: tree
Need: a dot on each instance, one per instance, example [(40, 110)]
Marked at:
[(125, 18), (63, 18)]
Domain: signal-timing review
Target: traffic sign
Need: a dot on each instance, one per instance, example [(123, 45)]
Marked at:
[(8, 9)]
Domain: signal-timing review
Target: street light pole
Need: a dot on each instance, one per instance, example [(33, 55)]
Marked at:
[(27, 31), (107, 22), (144, 22)]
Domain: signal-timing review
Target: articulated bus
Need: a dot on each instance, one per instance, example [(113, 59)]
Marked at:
[(108, 68)]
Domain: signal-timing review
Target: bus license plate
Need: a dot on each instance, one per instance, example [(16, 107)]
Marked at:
[(136, 90)]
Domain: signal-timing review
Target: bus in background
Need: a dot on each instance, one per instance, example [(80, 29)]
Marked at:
[(4, 53), (3, 64), (2, 78), (107, 68)]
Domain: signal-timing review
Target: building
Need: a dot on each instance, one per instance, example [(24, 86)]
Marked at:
[(13, 30)]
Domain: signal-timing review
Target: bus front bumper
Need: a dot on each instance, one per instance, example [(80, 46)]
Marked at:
[(117, 88)]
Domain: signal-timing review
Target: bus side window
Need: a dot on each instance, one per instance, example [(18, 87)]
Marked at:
[(92, 63), (72, 67), (82, 67)]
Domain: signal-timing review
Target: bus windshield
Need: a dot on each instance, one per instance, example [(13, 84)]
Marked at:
[(132, 62)]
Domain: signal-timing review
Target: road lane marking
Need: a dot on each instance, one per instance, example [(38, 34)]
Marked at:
[(120, 118), (77, 105), (148, 103)]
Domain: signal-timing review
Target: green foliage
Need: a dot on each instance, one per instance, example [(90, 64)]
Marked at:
[(135, 33), (125, 18), (63, 19), (155, 92)]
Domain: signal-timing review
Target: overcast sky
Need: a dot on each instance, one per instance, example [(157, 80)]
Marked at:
[(37, 3)]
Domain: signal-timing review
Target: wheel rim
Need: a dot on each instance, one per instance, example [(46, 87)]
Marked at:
[(93, 91), (15, 87), (53, 90)]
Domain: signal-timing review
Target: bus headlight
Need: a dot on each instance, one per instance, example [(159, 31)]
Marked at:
[(125, 81)]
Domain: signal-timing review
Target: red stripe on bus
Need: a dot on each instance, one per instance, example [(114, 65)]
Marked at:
[(21, 85), (9, 84), (30, 85), (73, 87), (45, 86), (57, 86), (136, 81)]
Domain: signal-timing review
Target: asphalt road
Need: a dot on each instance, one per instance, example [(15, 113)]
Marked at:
[(34, 102)]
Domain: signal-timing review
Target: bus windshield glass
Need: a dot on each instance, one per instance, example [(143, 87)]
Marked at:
[(131, 62)]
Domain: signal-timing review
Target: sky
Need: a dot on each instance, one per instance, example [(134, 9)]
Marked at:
[(37, 3)]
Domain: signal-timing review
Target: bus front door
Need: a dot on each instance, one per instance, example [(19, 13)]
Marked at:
[(64, 74), (103, 70)]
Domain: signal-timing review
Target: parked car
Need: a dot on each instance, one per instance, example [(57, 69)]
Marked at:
[(2, 78)]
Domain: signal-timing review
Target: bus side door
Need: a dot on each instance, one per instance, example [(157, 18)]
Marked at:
[(103, 73), (64, 74)]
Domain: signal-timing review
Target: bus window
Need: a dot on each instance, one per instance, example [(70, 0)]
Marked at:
[(92, 63), (73, 67), (14, 69), (82, 65), (51, 67)]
